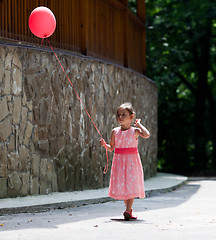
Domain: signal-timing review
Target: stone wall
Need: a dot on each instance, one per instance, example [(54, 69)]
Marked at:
[(47, 142)]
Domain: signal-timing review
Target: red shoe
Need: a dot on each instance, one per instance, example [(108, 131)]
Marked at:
[(132, 216), (127, 215)]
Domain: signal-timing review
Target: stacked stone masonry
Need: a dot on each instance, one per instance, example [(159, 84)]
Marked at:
[(47, 141)]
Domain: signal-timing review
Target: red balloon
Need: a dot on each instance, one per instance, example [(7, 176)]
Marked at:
[(42, 22)]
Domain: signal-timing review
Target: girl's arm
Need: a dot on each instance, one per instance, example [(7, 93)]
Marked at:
[(141, 130), (111, 145)]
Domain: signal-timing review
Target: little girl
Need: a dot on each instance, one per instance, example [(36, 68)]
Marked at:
[(126, 179)]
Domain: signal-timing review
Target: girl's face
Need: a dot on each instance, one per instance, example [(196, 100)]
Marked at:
[(124, 118)]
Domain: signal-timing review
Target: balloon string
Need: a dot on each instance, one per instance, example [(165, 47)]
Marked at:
[(106, 167), (107, 163)]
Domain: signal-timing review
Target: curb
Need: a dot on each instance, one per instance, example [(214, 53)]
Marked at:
[(52, 206), (165, 190), (44, 207)]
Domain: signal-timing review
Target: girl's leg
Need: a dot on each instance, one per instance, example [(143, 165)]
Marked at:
[(129, 204), (128, 213)]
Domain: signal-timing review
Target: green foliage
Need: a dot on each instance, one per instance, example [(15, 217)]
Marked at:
[(132, 5), (181, 52)]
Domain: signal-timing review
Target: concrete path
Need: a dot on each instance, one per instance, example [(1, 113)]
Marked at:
[(163, 182), (188, 213)]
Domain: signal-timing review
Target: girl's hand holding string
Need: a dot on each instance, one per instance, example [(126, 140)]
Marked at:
[(109, 147), (103, 143)]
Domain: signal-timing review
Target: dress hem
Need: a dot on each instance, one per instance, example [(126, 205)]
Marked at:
[(127, 197)]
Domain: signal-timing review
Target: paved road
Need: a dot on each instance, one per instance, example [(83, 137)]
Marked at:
[(186, 213)]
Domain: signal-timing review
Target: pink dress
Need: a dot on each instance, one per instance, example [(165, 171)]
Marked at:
[(126, 179)]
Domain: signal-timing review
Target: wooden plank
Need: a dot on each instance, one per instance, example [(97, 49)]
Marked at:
[(141, 10), (136, 19), (60, 21), (136, 58), (119, 37), (125, 37), (141, 13), (9, 28), (12, 27), (15, 7), (66, 20), (75, 28), (85, 26), (22, 20), (92, 28), (125, 2), (2, 19), (18, 22), (71, 24), (25, 20), (53, 8), (6, 18)]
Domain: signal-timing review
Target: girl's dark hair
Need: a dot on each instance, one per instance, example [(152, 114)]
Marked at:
[(127, 106)]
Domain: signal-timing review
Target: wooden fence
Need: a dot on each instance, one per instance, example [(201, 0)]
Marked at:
[(104, 29)]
